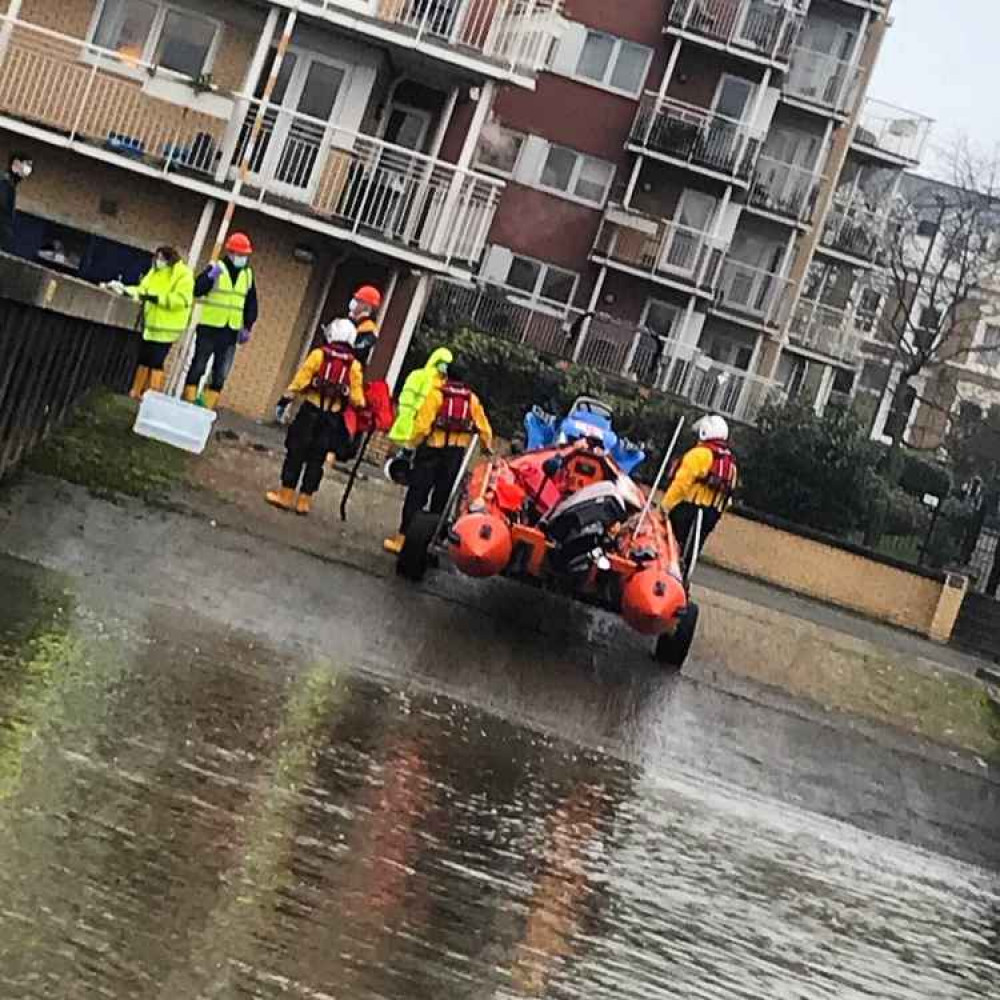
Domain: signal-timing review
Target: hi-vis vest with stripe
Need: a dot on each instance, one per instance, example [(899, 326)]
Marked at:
[(223, 306)]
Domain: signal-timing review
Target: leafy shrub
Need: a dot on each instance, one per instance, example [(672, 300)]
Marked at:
[(813, 471), (921, 476)]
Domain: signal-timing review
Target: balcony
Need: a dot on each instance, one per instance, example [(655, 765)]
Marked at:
[(783, 190), (686, 135), (761, 297), (892, 133), (660, 249), (825, 330), (612, 346), (305, 170), (758, 29), (821, 82), (504, 39), (854, 231)]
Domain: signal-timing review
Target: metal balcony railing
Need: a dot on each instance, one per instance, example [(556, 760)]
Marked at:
[(617, 348), (752, 292), (826, 330), (151, 118), (694, 135), (855, 230), (516, 35), (784, 189), (761, 27), (893, 131), (822, 79), (660, 248)]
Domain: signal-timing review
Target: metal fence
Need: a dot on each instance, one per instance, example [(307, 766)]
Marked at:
[(48, 362)]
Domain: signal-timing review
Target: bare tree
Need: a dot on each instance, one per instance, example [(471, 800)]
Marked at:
[(942, 265)]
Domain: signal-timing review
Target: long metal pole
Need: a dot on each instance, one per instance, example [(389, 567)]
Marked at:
[(659, 478), (258, 124)]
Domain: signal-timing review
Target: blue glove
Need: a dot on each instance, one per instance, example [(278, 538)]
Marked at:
[(214, 271), (244, 336)]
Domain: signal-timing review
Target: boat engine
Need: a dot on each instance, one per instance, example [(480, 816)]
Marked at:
[(580, 527)]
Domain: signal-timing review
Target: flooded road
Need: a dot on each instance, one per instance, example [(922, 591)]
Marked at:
[(186, 814)]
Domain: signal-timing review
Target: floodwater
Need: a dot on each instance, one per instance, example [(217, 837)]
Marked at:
[(184, 814)]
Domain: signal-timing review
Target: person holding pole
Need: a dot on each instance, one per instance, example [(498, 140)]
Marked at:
[(703, 486)]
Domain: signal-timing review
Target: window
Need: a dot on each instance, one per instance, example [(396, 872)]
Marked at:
[(575, 174), (898, 418), (930, 318), (613, 62), (499, 149), (660, 318), (149, 31), (990, 346), (927, 227), (540, 280)]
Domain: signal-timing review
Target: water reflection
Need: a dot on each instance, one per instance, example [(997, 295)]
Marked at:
[(198, 818)]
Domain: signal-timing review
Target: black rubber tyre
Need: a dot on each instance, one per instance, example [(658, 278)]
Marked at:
[(672, 650), (415, 559)]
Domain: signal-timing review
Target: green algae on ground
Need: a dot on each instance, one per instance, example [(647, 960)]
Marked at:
[(98, 449)]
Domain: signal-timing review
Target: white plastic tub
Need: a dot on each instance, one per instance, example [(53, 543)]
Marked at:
[(174, 422)]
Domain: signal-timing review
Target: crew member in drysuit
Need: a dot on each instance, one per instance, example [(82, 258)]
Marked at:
[(228, 293), (330, 380), (444, 427), (362, 310), (703, 484), (167, 296), (415, 390)]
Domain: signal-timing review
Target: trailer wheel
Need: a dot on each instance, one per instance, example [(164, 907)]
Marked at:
[(672, 650), (416, 558)]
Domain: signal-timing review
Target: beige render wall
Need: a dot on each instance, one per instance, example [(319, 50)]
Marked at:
[(831, 574)]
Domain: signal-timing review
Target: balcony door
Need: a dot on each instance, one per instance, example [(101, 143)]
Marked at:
[(685, 246), (730, 110), (290, 154), (753, 279)]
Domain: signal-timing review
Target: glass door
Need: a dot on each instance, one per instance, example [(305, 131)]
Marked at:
[(292, 148), (686, 243)]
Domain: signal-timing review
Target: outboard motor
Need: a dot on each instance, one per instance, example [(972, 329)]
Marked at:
[(580, 524)]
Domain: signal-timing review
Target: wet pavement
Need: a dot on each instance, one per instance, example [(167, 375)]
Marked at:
[(185, 813)]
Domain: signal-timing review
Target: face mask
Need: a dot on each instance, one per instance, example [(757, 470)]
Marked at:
[(23, 170), (239, 262), (354, 306), (160, 264), (443, 369)]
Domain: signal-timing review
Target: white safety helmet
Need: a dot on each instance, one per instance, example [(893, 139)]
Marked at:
[(340, 331), (712, 428)]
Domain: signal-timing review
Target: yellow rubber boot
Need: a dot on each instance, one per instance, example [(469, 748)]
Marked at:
[(157, 380), (140, 383), (190, 394), (211, 397), (304, 504), (283, 498), (394, 545)]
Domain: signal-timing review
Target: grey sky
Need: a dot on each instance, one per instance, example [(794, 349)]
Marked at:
[(939, 60)]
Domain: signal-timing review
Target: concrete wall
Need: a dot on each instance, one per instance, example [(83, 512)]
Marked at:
[(829, 573)]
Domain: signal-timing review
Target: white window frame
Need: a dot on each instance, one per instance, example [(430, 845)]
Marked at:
[(606, 84), (121, 67), (751, 98), (488, 168), (574, 177), (989, 364), (535, 296)]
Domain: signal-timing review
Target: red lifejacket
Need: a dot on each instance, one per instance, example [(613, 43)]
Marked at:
[(377, 414), (455, 413), (333, 380), (723, 476)]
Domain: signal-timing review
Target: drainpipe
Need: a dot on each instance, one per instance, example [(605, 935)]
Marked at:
[(242, 105), (7, 29)]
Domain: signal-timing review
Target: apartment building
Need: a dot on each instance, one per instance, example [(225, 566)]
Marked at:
[(696, 193), (140, 116)]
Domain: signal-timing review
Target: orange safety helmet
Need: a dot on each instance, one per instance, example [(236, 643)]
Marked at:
[(239, 243), (370, 296)]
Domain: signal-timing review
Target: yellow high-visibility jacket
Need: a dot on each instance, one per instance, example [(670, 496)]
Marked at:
[(165, 319), (689, 485), (424, 431), (302, 384)]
